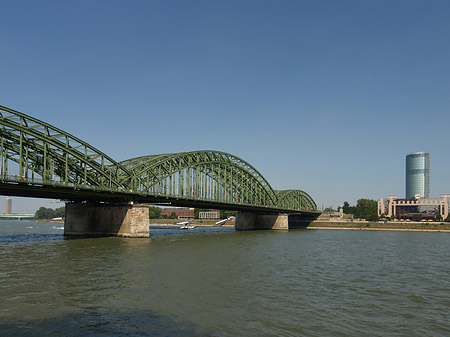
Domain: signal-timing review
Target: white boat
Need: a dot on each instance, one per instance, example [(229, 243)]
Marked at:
[(187, 227)]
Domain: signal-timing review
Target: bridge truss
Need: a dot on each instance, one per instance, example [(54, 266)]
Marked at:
[(40, 160)]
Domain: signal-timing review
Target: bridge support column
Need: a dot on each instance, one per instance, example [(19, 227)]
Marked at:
[(92, 219), (249, 221)]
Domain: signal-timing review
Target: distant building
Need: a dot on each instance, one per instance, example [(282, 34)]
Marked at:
[(8, 205), (209, 215), (180, 213), (417, 205), (418, 174), (416, 208)]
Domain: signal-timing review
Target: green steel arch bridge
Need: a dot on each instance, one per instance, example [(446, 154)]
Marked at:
[(40, 160)]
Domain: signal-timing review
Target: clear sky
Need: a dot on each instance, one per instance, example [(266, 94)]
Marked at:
[(323, 96)]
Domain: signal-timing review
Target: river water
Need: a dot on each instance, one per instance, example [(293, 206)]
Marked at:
[(218, 282)]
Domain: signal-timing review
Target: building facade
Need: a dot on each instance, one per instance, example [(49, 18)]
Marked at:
[(415, 208), (418, 174), (180, 213), (209, 215)]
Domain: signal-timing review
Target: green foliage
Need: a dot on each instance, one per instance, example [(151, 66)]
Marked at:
[(60, 212), (173, 215), (347, 209), (329, 210), (367, 209), (44, 213), (447, 219), (439, 217), (154, 212), (227, 214), (364, 209)]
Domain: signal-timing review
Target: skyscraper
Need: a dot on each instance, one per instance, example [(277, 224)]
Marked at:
[(8, 205), (418, 174)]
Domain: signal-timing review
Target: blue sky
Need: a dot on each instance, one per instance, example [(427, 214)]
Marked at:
[(324, 96)]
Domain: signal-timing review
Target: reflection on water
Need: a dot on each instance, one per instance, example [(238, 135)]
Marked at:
[(219, 282)]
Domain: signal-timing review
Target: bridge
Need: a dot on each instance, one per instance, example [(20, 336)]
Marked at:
[(108, 197), (19, 217)]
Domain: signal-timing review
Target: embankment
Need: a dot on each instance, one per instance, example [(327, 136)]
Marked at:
[(387, 226)]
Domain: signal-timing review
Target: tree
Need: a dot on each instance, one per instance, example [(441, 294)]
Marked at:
[(60, 212), (367, 209), (364, 209), (44, 213), (227, 214), (173, 215), (154, 212), (347, 209), (447, 219)]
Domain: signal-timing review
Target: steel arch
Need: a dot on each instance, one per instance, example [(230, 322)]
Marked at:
[(40, 153), (203, 174), (45, 152), (295, 199)]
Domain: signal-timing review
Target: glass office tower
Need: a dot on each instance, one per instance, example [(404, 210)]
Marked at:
[(418, 174)]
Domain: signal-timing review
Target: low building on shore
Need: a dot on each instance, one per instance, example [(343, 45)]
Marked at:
[(212, 214), (180, 213), (416, 208)]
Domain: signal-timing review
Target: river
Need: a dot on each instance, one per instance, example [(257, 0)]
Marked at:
[(219, 282)]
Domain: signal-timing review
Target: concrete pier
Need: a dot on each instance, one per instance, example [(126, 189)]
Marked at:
[(107, 219), (250, 221)]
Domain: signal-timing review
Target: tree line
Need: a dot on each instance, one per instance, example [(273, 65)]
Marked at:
[(44, 213)]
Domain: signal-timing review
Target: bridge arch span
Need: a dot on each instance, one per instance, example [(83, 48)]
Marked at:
[(295, 199), (43, 152), (205, 174)]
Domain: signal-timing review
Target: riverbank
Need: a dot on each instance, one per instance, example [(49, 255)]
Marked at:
[(383, 226)]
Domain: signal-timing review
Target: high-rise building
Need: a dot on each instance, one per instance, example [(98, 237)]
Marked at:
[(8, 205), (418, 174)]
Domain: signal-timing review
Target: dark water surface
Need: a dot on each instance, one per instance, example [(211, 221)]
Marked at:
[(224, 283)]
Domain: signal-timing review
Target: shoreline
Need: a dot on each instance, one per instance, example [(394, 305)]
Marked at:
[(382, 226), (382, 229)]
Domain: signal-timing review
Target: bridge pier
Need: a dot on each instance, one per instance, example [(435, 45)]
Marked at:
[(249, 221), (108, 219)]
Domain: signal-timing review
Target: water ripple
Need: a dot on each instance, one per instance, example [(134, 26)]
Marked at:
[(301, 283)]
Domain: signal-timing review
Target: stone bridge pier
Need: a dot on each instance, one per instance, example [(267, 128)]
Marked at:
[(107, 219), (250, 221)]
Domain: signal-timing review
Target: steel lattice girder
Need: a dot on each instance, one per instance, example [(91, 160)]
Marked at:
[(295, 198), (233, 174), (54, 155), (39, 146)]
